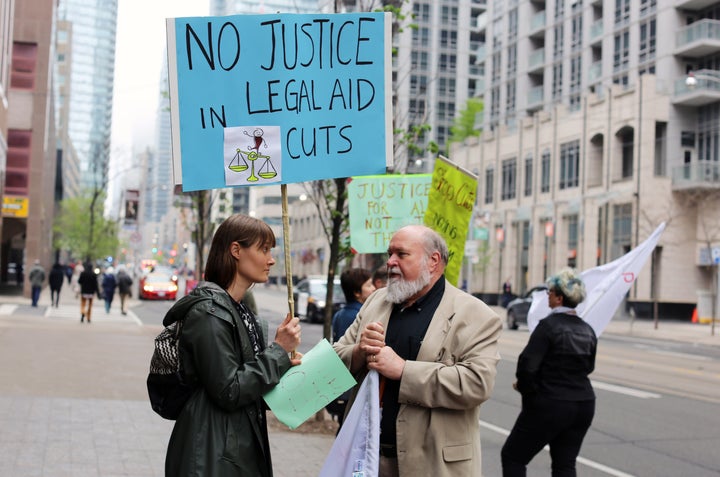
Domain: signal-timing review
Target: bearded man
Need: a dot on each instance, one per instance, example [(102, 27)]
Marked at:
[(435, 348)]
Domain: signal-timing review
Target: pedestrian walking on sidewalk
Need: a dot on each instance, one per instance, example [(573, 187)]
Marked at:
[(558, 401), (37, 278), (88, 283), (223, 352), (55, 280), (109, 283), (124, 284)]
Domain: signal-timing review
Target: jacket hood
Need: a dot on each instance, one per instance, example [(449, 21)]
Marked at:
[(204, 291)]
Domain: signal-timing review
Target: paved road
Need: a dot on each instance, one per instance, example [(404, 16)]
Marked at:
[(73, 399)]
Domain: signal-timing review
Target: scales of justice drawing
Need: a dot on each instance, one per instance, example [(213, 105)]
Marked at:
[(261, 148)]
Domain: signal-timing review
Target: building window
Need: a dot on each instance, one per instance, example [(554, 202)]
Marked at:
[(577, 33), (627, 144), (421, 37), (510, 97), (557, 85), (622, 230), (495, 104), (448, 39), (22, 66), (512, 59), (528, 175), (489, 181), (509, 181), (558, 42), (512, 24), (448, 62), (622, 12), (419, 60), (621, 51), (449, 14), (545, 172), (572, 236), (647, 7), (422, 12), (647, 41), (569, 164)]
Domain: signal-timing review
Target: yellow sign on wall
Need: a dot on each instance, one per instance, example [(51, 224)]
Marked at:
[(15, 206)]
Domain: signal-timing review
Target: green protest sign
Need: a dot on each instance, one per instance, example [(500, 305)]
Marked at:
[(450, 205), (310, 386), (379, 205)]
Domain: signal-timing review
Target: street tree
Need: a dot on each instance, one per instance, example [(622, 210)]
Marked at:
[(464, 124), (81, 228)]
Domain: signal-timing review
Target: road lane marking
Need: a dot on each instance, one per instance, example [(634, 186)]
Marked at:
[(625, 390), (586, 462), (6, 309)]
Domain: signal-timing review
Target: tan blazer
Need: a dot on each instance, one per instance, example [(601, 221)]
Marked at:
[(438, 432)]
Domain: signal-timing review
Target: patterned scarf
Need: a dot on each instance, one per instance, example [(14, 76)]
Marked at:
[(250, 325)]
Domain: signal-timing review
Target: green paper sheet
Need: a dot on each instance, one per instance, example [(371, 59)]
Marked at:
[(305, 389)]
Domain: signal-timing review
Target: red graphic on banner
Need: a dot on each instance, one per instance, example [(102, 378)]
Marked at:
[(628, 277)]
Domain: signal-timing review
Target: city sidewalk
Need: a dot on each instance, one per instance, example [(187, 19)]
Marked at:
[(73, 400)]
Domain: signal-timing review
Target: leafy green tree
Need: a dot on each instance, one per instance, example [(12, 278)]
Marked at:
[(464, 125), (81, 228)]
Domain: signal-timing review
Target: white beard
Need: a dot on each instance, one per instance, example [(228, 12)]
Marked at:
[(400, 290)]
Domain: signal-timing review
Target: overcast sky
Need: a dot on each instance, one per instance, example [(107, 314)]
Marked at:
[(139, 55)]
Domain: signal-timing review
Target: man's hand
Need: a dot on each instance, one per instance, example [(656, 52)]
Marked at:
[(372, 340), (387, 363)]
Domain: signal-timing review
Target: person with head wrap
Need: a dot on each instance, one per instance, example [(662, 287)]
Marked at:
[(558, 401)]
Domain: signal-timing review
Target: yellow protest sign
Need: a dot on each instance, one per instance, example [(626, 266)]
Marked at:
[(450, 205)]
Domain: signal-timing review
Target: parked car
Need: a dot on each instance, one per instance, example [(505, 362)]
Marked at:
[(517, 309), (158, 286), (309, 296)]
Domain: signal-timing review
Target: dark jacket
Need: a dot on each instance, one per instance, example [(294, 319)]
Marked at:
[(124, 282), (343, 318), (558, 358), (222, 429), (56, 277), (88, 282), (108, 285)]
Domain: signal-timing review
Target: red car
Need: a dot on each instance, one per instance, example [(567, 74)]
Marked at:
[(158, 286)]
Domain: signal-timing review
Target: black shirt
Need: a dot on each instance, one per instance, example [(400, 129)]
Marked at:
[(405, 333)]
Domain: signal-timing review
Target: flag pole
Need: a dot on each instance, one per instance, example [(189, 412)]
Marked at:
[(286, 247)]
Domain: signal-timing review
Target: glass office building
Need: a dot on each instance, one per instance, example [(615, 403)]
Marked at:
[(89, 125)]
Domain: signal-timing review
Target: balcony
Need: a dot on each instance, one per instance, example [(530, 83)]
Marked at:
[(537, 61), (700, 88), (694, 5), (480, 5), (537, 25), (596, 31), (701, 38), (535, 98), (481, 54), (595, 72), (695, 176)]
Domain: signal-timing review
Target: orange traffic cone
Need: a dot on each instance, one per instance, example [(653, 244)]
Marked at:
[(694, 318)]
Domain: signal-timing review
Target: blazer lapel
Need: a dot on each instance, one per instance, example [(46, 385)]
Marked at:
[(439, 327)]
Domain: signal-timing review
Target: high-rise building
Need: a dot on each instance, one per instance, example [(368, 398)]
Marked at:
[(29, 196), (597, 128), (92, 68)]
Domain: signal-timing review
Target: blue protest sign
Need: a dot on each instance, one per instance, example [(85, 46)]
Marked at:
[(263, 99)]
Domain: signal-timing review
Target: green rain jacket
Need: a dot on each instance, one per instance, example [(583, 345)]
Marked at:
[(222, 430)]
